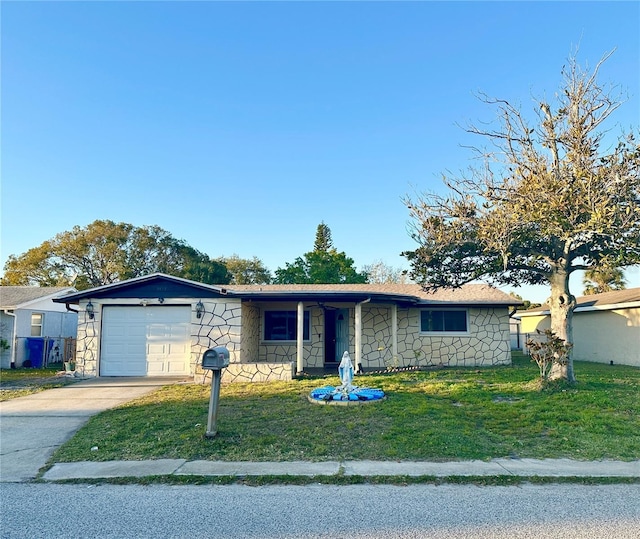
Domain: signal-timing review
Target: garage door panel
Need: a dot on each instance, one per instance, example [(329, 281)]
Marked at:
[(135, 349), (138, 341), (178, 348), (156, 349), (156, 369), (114, 348), (159, 330), (174, 368)]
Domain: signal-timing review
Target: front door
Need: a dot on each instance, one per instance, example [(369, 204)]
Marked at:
[(336, 335), (342, 333)]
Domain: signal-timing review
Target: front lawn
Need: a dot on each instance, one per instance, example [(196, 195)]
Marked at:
[(26, 381), (445, 414)]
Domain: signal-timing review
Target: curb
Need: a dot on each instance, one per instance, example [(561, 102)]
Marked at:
[(555, 468)]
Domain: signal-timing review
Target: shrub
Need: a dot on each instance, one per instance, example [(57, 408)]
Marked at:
[(548, 351)]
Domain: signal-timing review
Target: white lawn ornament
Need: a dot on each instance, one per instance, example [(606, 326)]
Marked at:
[(345, 370), (346, 393)]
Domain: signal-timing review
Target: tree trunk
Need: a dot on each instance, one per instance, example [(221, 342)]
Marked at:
[(561, 305)]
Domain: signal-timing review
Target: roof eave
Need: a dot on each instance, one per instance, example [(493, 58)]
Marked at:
[(467, 303), (320, 295), (587, 308)]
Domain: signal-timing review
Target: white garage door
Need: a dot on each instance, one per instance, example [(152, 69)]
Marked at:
[(141, 341)]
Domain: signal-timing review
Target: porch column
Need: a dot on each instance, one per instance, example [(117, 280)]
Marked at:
[(358, 335), (394, 332), (300, 339)]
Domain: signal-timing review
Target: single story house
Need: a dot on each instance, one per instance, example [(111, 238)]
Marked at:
[(161, 325), (606, 327), (32, 327)]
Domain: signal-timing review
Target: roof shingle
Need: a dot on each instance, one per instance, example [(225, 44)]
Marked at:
[(14, 296), (470, 293)]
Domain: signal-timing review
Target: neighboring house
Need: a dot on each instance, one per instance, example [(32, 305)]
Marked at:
[(606, 327), (516, 334), (161, 325), (32, 326)]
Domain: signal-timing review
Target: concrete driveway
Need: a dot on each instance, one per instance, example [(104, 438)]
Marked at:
[(33, 427)]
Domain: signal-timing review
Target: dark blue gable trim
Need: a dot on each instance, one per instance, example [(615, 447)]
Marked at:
[(157, 289), (155, 286)]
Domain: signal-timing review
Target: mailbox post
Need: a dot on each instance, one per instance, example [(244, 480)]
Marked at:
[(214, 360)]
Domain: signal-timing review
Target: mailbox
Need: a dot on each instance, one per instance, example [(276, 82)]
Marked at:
[(215, 358)]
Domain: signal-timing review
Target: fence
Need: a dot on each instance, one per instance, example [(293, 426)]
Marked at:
[(43, 351)]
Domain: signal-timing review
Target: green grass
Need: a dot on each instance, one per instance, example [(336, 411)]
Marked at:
[(437, 415), (26, 381)]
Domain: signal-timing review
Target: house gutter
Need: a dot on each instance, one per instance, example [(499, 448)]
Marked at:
[(67, 305), (14, 337)]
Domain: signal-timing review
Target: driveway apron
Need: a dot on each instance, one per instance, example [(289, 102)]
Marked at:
[(33, 427)]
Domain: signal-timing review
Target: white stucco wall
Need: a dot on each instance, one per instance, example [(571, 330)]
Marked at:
[(600, 336), (607, 336)]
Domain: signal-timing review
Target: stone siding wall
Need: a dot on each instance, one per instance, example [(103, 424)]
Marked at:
[(250, 333), (220, 325), (376, 337), (487, 342), (88, 341), (251, 372), (226, 322)]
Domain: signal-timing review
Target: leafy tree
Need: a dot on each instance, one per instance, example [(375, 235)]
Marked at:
[(526, 303), (323, 265), (323, 242), (380, 273), (105, 252), (548, 200), (599, 280), (246, 271)]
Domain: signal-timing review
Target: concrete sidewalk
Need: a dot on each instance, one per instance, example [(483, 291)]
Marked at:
[(32, 427), (496, 467)]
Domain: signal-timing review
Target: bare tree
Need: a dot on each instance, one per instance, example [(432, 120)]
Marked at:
[(380, 273), (548, 200)]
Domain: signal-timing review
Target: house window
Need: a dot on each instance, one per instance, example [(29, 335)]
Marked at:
[(37, 320), (443, 321), (283, 326)]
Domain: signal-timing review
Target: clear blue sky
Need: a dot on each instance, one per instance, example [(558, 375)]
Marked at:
[(240, 126)]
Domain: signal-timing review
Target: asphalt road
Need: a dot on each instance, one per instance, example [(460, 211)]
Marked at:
[(31, 510)]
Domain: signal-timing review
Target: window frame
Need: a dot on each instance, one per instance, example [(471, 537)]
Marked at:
[(294, 315), (33, 325), (445, 332)]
